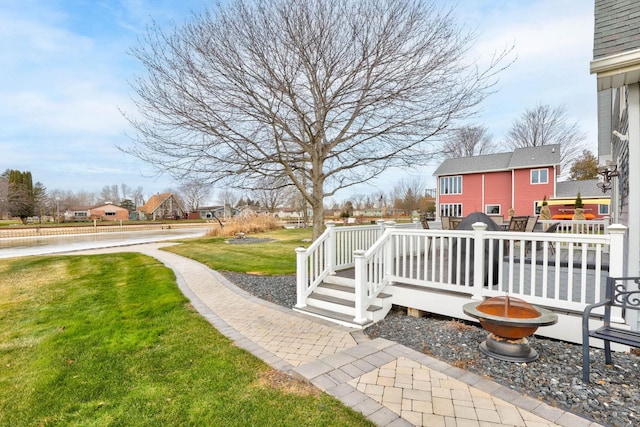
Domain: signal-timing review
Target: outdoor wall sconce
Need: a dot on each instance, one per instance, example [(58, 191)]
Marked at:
[(607, 171)]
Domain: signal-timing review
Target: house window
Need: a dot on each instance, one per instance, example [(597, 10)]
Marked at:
[(451, 185), (451, 209), (80, 214), (109, 214), (539, 176), (492, 209), (603, 209)]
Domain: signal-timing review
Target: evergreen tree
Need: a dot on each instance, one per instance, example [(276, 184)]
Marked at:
[(21, 196)]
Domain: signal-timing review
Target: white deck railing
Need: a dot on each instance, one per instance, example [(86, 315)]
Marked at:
[(563, 270), (594, 226), (333, 251)]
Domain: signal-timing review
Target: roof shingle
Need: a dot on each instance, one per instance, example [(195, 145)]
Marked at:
[(520, 158)]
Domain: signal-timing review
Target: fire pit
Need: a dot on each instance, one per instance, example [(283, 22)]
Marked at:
[(510, 321)]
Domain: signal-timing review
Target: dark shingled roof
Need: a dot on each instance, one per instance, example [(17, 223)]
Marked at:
[(586, 188), (520, 158), (617, 27)]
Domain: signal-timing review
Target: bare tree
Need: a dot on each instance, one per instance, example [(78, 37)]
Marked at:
[(124, 191), (138, 196), (407, 194), (328, 93), (193, 193), (273, 192), (84, 198), (468, 141), (358, 200), (110, 193), (544, 125), (228, 199)]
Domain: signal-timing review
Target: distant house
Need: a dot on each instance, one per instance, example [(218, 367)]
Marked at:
[(494, 183), (109, 212), (218, 211), (77, 213), (102, 212), (162, 206), (596, 204), (290, 213)]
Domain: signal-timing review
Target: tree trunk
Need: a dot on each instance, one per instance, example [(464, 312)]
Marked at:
[(317, 205), (318, 220)]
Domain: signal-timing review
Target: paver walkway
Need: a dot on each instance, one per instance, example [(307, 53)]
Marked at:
[(390, 384)]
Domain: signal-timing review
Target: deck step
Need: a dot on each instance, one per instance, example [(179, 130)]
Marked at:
[(333, 316), (342, 291), (334, 300), (338, 280), (339, 301)]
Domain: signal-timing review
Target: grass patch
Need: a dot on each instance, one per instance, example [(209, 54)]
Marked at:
[(110, 340), (269, 258)]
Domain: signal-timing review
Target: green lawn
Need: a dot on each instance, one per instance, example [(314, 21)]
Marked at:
[(273, 257), (110, 340)]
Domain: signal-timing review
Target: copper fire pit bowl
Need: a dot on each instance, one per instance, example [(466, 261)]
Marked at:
[(510, 320)]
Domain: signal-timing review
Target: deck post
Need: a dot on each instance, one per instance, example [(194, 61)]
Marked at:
[(330, 248), (361, 287), (390, 252), (478, 259), (302, 277), (617, 261)]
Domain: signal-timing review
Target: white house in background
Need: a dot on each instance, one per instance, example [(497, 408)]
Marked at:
[(616, 63)]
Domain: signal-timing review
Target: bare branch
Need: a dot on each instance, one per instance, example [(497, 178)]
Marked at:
[(544, 125), (468, 141), (326, 94)]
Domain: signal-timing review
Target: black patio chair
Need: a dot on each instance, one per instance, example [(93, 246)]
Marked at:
[(552, 229)]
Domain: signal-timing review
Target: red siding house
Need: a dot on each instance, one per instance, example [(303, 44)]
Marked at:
[(494, 183)]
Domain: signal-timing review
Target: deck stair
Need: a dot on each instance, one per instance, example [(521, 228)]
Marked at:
[(334, 300)]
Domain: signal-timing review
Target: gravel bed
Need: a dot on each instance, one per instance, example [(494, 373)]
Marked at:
[(612, 398)]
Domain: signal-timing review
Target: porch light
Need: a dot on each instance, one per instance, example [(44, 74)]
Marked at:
[(608, 171)]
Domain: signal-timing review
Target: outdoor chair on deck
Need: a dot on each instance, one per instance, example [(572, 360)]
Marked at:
[(552, 229), (445, 223), (531, 224), (425, 226), (424, 221), (454, 221), (518, 223)]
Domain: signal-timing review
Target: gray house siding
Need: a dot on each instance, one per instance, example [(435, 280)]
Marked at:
[(616, 27), (616, 61)]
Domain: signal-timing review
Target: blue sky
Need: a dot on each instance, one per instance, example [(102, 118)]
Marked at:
[(65, 72)]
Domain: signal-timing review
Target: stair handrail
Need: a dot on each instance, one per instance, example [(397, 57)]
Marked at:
[(324, 256), (310, 274), (366, 291)]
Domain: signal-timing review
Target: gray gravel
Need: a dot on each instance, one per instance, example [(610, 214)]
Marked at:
[(612, 398)]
